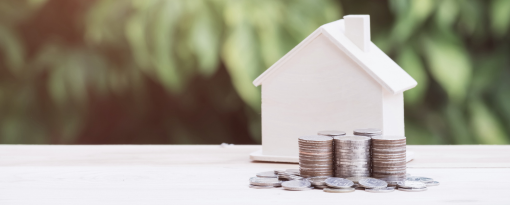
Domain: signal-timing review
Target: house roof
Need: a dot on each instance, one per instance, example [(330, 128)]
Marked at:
[(376, 63)]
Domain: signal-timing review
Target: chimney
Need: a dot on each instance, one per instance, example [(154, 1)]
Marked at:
[(357, 29)]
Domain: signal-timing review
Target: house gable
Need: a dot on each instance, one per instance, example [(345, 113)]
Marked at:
[(376, 63)]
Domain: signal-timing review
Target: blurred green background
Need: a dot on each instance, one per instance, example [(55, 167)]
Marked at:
[(180, 71)]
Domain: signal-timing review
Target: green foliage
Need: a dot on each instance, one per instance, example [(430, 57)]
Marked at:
[(454, 49)]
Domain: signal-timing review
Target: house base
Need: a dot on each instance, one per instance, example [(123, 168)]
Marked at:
[(259, 156)]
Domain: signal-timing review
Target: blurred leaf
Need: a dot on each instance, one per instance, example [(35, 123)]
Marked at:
[(447, 12), (166, 69), (205, 40), (450, 67), (410, 17), (135, 27), (486, 126), (12, 50), (242, 60), (412, 64), (500, 17), (471, 16), (458, 125)]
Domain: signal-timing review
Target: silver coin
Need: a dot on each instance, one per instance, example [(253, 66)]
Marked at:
[(278, 171), (432, 183), (356, 179), (297, 185), (412, 189), (368, 131), (412, 184), (318, 181), (331, 133), (319, 186), (372, 183), (419, 179), (261, 187), (376, 139), (269, 174), (265, 181), (315, 138), (338, 182), (294, 177), (381, 190), (343, 190)]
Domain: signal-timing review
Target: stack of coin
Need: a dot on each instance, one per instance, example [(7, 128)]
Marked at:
[(352, 156), (316, 156), (331, 133), (369, 132), (389, 158)]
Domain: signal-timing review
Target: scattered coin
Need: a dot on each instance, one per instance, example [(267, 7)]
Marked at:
[(343, 190), (356, 179), (265, 181), (269, 174), (318, 181), (261, 187), (412, 189), (297, 185), (419, 179), (412, 184), (335, 182), (372, 183), (381, 190), (432, 183)]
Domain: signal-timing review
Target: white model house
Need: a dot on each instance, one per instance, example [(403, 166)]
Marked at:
[(334, 79)]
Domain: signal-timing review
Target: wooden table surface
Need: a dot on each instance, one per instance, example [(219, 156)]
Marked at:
[(171, 174)]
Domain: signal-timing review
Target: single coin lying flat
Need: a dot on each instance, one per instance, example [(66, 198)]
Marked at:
[(381, 190), (412, 189), (269, 174), (432, 183), (411, 185), (372, 183), (343, 190), (336, 182), (419, 179), (265, 181), (297, 185), (261, 187)]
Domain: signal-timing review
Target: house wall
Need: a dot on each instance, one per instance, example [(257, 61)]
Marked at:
[(393, 112), (320, 88)]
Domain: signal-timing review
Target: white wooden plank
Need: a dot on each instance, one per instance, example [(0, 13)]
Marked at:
[(166, 174)]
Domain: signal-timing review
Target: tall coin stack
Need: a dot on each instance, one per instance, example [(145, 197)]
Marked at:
[(352, 156), (369, 132), (389, 158), (316, 156)]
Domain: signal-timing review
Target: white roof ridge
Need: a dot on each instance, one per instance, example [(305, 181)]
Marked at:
[(376, 63)]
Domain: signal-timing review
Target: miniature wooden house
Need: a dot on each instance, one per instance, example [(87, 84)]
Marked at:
[(334, 79)]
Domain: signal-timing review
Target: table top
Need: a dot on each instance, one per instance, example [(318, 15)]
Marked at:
[(213, 174)]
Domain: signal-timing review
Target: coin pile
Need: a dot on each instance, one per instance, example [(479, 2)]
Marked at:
[(389, 159), (267, 180), (352, 156), (316, 156), (369, 132)]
